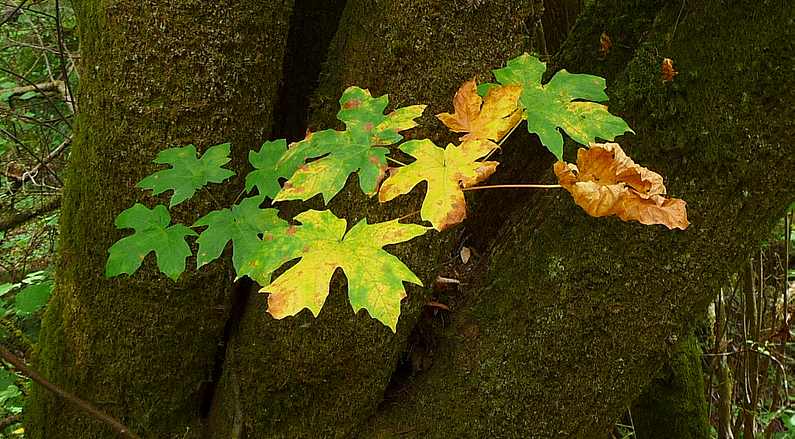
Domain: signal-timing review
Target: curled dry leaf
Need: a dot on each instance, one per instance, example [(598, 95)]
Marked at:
[(488, 119), (606, 181)]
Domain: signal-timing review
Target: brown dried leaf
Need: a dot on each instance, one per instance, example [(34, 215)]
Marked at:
[(606, 181), (667, 70), (605, 44), (484, 119)]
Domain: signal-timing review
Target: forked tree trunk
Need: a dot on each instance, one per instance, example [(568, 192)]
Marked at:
[(569, 316), (154, 74), (576, 314), (323, 377)]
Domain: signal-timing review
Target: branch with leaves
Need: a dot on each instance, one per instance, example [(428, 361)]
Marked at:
[(605, 181)]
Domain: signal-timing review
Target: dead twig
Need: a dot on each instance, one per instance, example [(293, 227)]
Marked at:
[(84, 405)]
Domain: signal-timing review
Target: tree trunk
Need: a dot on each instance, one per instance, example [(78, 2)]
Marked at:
[(567, 318), (324, 376), (154, 74), (674, 404), (559, 344)]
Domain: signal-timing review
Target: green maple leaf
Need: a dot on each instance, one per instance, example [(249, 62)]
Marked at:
[(271, 163), (188, 173), (446, 171), (344, 152), (554, 105), (152, 233), (242, 225), (375, 277)]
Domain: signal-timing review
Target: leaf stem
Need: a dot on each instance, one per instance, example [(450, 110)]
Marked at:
[(504, 138), (396, 161), (513, 186), (408, 215)]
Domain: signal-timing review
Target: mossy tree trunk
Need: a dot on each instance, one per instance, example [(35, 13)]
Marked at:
[(324, 376), (154, 74), (570, 317), (576, 314), (674, 404)]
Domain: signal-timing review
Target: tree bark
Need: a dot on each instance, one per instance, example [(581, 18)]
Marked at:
[(154, 74), (674, 404), (324, 376), (567, 318), (559, 344)]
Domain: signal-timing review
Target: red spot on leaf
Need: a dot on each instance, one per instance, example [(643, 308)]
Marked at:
[(353, 103), (291, 230)]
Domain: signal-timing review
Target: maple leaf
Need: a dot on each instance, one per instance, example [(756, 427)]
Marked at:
[(271, 163), (242, 225), (555, 104), (357, 149), (446, 171), (188, 173), (375, 277), (152, 233), (606, 181), (489, 119)]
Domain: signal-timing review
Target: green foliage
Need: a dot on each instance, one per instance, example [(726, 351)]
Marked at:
[(242, 225), (269, 167), (354, 150), (322, 163), (188, 173), (557, 104), (30, 295), (375, 278), (152, 233)]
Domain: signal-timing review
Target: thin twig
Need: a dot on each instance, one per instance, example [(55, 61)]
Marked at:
[(396, 161), (408, 215), (61, 51), (47, 97), (13, 13), (40, 87), (512, 186), (84, 405), (504, 138)]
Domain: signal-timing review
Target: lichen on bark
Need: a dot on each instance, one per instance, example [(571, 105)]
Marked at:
[(154, 74)]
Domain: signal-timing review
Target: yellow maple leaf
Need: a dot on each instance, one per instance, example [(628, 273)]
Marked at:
[(488, 119)]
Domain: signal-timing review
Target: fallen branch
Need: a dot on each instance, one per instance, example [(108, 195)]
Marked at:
[(21, 217), (84, 405), (9, 420), (42, 87)]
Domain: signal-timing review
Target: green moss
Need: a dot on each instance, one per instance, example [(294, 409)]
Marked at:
[(324, 376), (564, 355), (153, 75), (674, 405)]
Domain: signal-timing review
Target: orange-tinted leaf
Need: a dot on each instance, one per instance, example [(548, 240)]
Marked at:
[(606, 181), (605, 44), (447, 171), (667, 70), (483, 119)]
